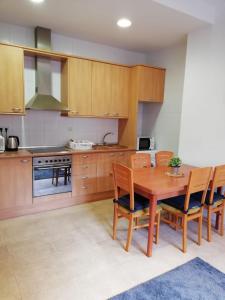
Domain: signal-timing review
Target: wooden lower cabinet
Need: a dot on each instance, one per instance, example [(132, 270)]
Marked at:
[(92, 173), (15, 182)]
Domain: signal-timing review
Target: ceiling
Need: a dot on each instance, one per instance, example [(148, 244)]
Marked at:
[(154, 25)]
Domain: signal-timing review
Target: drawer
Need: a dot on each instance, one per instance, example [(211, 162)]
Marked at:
[(83, 186), (87, 169), (80, 159)]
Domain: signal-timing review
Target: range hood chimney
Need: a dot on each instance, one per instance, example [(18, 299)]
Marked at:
[(43, 100)]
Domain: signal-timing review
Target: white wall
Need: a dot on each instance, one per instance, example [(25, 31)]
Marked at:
[(202, 135), (163, 121), (48, 128)]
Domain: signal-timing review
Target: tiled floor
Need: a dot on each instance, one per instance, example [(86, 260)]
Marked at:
[(69, 254)]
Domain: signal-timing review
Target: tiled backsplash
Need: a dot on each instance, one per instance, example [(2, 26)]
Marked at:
[(44, 128)]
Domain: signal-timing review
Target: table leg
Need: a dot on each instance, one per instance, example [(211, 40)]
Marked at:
[(152, 214)]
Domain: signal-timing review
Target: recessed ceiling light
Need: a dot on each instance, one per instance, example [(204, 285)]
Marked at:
[(37, 1), (124, 23)]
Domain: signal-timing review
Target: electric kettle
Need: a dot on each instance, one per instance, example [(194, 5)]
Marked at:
[(12, 143)]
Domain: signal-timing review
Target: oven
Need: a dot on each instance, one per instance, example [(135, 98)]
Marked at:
[(51, 175)]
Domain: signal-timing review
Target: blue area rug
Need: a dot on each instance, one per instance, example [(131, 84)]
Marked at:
[(195, 280)]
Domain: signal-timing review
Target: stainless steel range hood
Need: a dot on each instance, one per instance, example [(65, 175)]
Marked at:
[(43, 100)]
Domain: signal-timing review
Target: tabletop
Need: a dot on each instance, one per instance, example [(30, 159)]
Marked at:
[(155, 181)]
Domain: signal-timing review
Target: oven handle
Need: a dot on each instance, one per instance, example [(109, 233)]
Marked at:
[(50, 168)]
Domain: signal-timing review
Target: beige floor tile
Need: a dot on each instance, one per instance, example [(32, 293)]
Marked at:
[(69, 254)]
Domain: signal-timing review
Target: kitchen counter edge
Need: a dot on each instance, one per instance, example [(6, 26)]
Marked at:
[(25, 153)]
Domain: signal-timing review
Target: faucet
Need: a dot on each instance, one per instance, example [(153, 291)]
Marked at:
[(105, 135)]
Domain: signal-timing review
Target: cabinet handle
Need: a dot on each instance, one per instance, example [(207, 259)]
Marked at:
[(84, 177), (24, 161), (84, 187), (85, 156), (16, 109)]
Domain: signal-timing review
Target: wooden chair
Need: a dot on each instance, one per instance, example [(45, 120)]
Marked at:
[(162, 158), (190, 207), (140, 160), (128, 204), (215, 201)]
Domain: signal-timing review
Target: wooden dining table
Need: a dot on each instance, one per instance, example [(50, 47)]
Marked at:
[(155, 184)]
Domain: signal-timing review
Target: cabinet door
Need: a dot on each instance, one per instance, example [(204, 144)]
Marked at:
[(158, 82), (80, 74), (101, 89), (120, 91), (15, 182), (150, 84), (11, 80), (104, 171)]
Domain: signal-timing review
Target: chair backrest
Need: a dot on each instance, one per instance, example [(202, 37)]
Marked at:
[(162, 158), (218, 180), (199, 179), (140, 160), (123, 181)]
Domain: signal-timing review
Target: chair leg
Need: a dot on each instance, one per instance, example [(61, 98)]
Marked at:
[(115, 220), (130, 232), (209, 224), (157, 227), (184, 237), (222, 220), (136, 222), (200, 228)]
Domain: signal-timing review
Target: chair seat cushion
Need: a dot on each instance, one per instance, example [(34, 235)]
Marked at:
[(178, 203), (140, 202), (216, 198)]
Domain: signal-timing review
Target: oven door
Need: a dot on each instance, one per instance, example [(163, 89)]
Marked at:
[(49, 180), (144, 143)]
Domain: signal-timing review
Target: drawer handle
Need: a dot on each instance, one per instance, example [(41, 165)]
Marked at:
[(106, 114), (111, 154), (85, 156), (16, 109), (85, 167), (84, 187), (84, 177), (24, 161)]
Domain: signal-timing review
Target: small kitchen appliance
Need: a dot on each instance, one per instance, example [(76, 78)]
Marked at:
[(145, 143), (12, 143)]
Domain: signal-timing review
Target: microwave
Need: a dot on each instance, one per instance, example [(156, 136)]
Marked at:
[(145, 143)]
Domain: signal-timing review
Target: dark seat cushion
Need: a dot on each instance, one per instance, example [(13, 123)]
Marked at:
[(217, 197), (140, 202), (178, 202)]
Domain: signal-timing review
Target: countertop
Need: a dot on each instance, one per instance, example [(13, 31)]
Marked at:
[(25, 153)]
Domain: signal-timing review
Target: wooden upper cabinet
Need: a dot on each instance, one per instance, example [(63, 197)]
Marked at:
[(15, 182), (150, 84), (101, 89), (11, 80), (79, 86), (120, 91)]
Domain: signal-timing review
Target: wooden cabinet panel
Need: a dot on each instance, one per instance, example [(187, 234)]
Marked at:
[(150, 84), (11, 80), (83, 186), (80, 159), (15, 182), (79, 94), (120, 91), (101, 89)]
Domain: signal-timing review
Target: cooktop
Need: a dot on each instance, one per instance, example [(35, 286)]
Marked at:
[(47, 149)]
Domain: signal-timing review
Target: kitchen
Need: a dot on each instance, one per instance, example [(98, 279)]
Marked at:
[(71, 177)]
